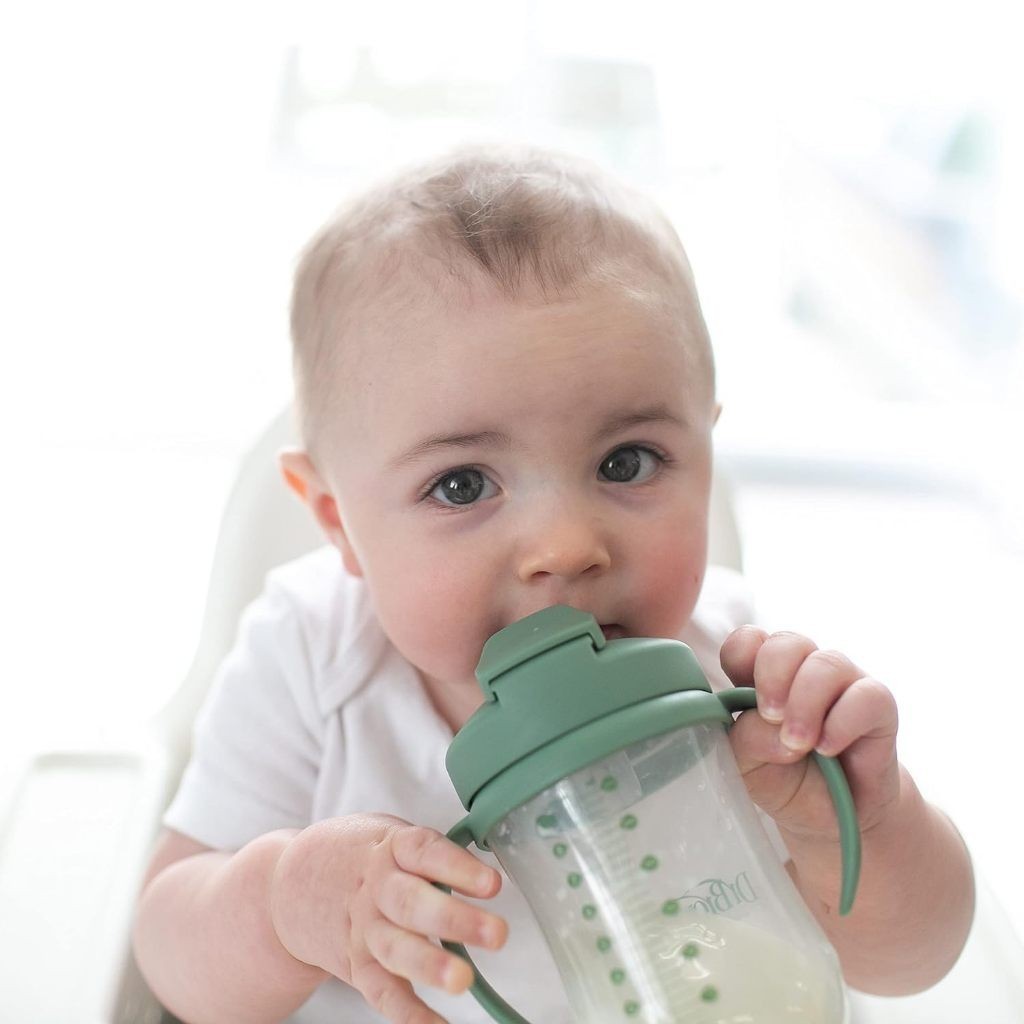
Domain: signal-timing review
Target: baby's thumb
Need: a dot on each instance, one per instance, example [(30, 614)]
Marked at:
[(771, 771), (739, 652)]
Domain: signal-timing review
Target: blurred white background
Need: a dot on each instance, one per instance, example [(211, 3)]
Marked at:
[(846, 179)]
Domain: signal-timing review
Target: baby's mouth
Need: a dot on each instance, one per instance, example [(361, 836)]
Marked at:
[(612, 631)]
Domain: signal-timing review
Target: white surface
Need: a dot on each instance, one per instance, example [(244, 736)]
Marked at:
[(74, 838)]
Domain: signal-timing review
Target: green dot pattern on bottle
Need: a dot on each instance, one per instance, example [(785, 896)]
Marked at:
[(574, 879), (670, 907), (609, 783), (690, 950), (618, 976), (547, 821), (632, 1008), (709, 993), (649, 863), (560, 849), (628, 822), (604, 944), (589, 911)]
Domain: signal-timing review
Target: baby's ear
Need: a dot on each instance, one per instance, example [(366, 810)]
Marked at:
[(295, 468), (302, 477)]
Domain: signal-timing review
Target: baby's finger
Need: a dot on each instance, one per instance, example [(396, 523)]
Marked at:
[(393, 997), (775, 669), (819, 682), (411, 956), (739, 652), (866, 710), (756, 742), (427, 853), (413, 903)]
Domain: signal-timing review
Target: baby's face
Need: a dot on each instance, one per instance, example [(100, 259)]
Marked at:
[(498, 459)]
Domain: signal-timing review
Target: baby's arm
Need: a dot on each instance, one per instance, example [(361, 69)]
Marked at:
[(204, 939), (248, 936), (914, 905), (915, 901)]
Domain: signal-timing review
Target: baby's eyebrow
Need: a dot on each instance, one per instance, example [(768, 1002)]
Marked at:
[(499, 439), (439, 442), (637, 418)]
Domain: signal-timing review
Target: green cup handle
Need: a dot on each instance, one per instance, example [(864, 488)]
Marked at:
[(485, 995), (742, 698)]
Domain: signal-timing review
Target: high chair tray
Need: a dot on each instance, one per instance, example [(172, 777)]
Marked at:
[(76, 829)]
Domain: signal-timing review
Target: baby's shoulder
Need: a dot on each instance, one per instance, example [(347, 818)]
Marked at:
[(311, 587), (340, 640)]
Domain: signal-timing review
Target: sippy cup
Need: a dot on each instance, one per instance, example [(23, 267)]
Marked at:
[(600, 775)]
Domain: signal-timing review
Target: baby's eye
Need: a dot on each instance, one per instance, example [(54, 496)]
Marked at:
[(462, 487), (629, 464)]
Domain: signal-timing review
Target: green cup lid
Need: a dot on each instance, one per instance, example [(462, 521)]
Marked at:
[(549, 674)]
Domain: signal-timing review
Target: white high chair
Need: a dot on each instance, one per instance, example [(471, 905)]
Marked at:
[(77, 827)]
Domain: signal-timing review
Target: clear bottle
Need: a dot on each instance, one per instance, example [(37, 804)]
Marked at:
[(600, 775)]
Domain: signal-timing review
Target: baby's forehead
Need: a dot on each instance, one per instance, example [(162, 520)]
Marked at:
[(411, 338), (395, 304)]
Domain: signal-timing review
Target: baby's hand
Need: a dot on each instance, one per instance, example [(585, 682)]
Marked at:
[(810, 700), (353, 896)]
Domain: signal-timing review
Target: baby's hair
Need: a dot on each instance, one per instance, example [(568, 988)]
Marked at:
[(533, 223)]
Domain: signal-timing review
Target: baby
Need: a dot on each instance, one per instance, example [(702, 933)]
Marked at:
[(506, 397)]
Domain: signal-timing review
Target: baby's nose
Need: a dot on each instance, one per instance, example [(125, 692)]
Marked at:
[(564, 545)]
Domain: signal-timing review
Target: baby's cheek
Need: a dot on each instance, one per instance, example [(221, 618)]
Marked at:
[(670, 579), (437, 626)]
